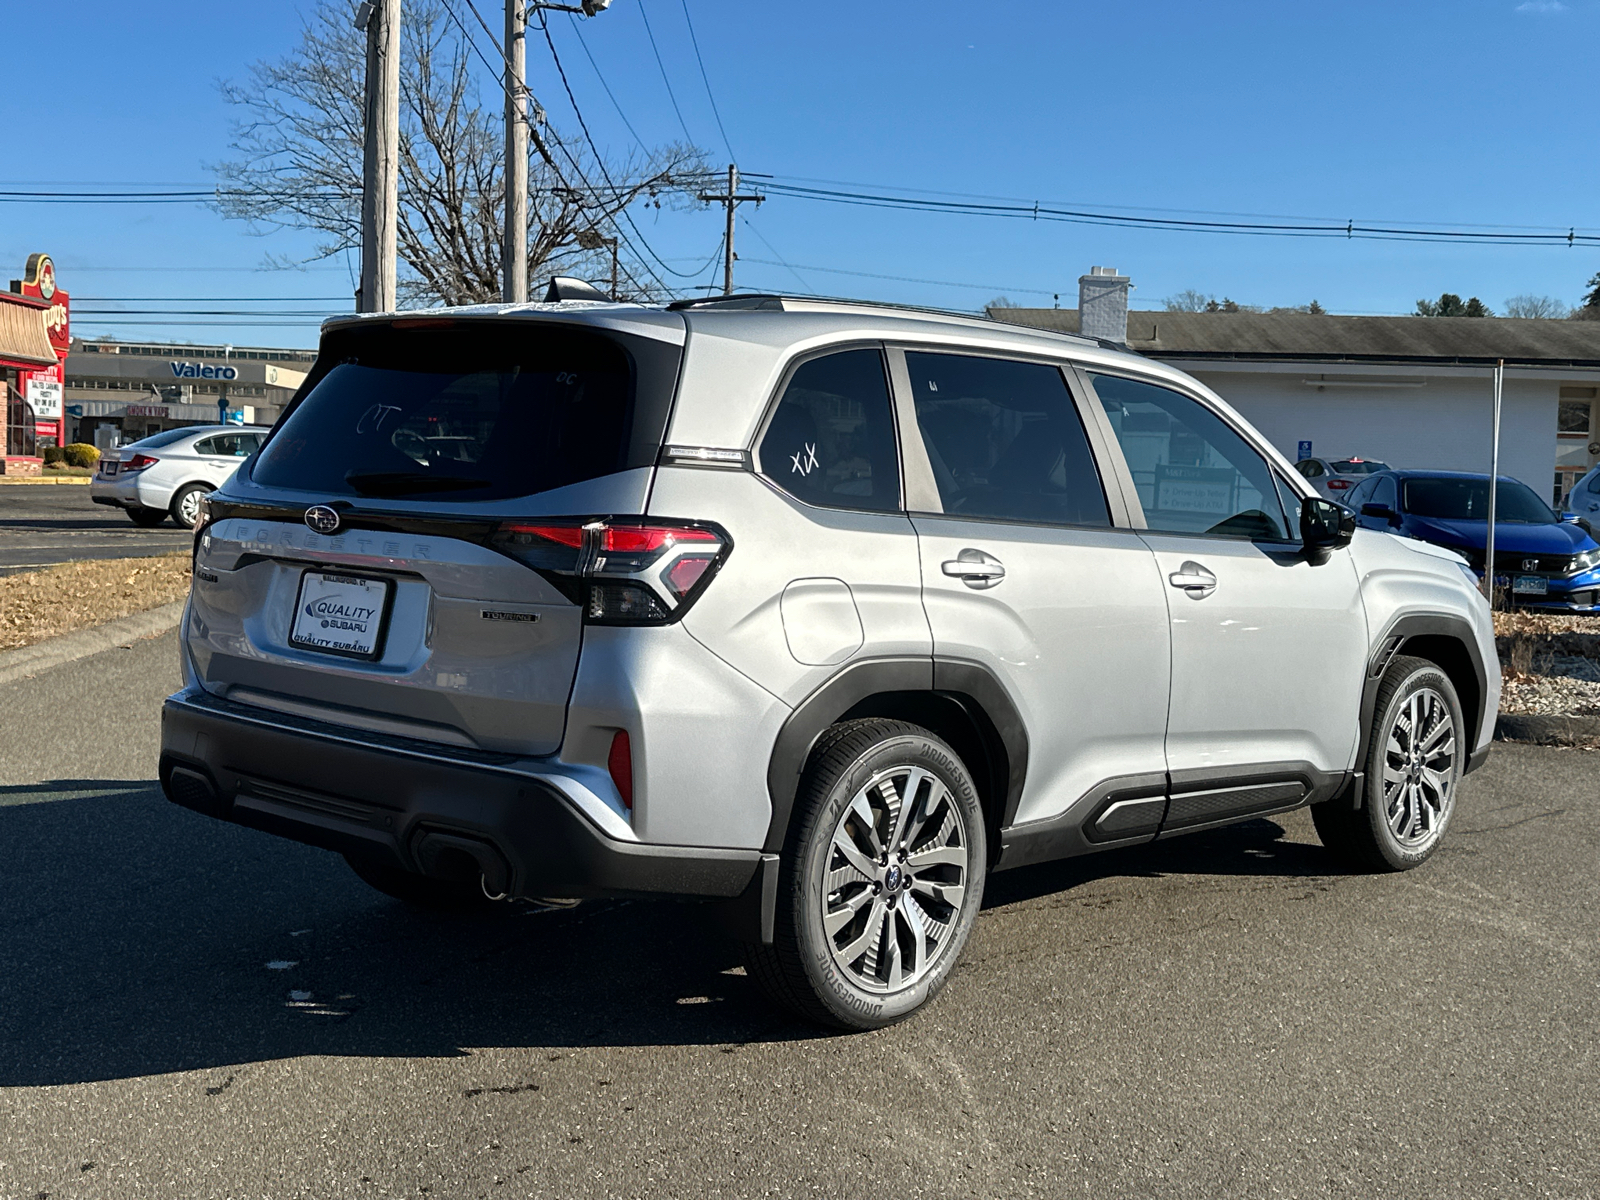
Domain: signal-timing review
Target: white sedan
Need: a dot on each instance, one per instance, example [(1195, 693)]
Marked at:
[(167, 473), (1334, 477)]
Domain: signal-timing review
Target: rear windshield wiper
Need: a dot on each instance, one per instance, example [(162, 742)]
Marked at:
[(400, 483)]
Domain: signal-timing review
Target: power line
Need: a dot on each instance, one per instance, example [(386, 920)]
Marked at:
[(715, 112), (657, 50), (748, 224), (977, 287), (523, 84), (584, 45), (544, 27), (1042, 212)]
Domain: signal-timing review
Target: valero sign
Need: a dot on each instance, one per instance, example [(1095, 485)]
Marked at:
[(191, 370)]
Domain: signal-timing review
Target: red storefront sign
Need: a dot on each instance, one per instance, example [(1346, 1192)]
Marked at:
[(35, 413)]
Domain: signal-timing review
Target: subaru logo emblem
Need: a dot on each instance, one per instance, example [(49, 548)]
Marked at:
[(1530, 564), (322, 519)]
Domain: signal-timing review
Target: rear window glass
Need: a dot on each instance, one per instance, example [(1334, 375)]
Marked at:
[(1358, 466), (159, 439), (474, 411)]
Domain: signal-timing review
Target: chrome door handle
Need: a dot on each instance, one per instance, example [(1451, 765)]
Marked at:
[(1196, 582), (975, 568)]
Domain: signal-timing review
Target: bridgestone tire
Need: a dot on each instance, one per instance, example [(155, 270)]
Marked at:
[(801, 971), (435, 895), (147, 518), (1365, 838)]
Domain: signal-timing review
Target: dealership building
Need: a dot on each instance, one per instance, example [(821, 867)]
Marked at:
[(1409, 391), (120, 391)]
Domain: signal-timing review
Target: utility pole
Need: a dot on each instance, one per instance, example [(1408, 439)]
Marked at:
[(514, 246), (732, 200), (380, 159)]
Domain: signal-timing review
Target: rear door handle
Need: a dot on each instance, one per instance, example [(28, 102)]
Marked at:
[(1196, 582), (975, 568)]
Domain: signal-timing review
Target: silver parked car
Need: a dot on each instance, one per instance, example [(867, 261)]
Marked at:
[(1334, 477), (166, 474), (821, 610)]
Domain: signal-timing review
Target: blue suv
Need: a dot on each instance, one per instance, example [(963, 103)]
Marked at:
[(1544, 560)]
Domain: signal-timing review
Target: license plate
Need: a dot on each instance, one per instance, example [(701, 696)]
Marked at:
[(1530, 585), (341, 614), (108, 469)]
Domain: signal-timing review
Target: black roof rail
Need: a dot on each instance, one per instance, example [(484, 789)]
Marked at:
[(744, 300)]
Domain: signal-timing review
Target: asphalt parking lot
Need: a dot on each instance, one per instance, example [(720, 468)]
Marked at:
[(43, 524), (191, 1009)]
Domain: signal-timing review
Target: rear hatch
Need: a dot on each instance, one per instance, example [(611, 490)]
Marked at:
[(358, 568)]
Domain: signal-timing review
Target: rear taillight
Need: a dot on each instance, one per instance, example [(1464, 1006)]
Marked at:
[(622, 571), (139, 462), (1338, 485), (620, 764)]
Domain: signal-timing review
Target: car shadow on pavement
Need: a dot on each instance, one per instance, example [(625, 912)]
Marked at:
[(140, 938), (1254, 848)]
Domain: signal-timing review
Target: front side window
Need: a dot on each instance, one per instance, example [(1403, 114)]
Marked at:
[(831, 440), (1384, 494), (1360, 494), (1311, 469), (1005, 440), (1193, 472)]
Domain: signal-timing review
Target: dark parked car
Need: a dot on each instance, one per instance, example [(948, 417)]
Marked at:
[(1543, 560)]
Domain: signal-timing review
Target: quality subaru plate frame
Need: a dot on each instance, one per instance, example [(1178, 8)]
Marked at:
[(383, 618)]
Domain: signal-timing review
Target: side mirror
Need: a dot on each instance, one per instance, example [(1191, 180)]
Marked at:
[(1380, 512), (1572, 518), (1325, 525)]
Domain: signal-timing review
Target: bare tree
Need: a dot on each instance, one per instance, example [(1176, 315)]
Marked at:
[(1537, 308), (1188, 300), (299, 138)]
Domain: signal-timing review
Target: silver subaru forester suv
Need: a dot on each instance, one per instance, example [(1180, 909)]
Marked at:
[(819, 610)]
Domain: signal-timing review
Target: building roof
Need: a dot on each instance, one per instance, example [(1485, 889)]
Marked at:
[(1300, 337)]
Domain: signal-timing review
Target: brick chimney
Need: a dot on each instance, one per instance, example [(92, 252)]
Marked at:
[(1103, 304)]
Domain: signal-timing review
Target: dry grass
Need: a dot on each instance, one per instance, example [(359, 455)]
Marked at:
[(36, 605)]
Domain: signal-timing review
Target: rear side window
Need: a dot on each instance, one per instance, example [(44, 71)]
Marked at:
[(1005, 440), (227, 445), (1193, 472), (472, 411), (831, 440)]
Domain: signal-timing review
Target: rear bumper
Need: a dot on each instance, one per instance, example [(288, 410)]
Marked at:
[(418, 807)]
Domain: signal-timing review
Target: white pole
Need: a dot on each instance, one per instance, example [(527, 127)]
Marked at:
[(1494, 481)]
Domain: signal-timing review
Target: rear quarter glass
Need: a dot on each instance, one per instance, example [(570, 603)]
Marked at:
[(478, 410)]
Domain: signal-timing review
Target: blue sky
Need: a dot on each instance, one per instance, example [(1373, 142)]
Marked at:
[(1477, 113)]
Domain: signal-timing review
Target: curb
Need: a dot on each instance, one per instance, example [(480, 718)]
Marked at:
[(1547, 731), (69, 647), (35, 480)]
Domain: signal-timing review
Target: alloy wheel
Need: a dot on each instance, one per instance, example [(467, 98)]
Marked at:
[(896, 879), (1419, 768)]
